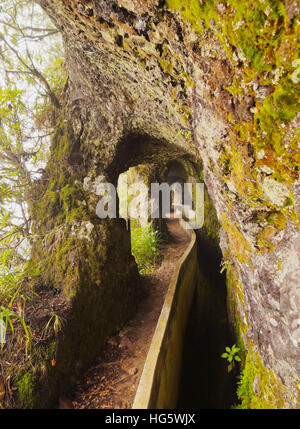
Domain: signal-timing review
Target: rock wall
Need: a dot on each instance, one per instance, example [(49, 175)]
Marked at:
[(151, 81)]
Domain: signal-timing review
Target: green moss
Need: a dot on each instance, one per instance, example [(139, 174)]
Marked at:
[(51, 349), (264, 239), (239, 246), (67, 197), (263, 41), (277, 219), (77, 214), (255, 28), (211, 226), (62, 143), (236, 88), (26, 390), (193, 11), (258, 387), (283, 104)]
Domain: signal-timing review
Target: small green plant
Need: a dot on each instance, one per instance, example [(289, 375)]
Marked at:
[(57, 324), (244, 387), (231, 356), (145, 242), (224, 266)]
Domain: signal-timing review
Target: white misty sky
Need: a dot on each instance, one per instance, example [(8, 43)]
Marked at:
[(44, 52)]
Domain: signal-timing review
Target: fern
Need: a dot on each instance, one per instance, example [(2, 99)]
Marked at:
[(145, 242)]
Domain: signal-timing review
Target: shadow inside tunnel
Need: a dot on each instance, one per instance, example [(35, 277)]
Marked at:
[(205, 381)]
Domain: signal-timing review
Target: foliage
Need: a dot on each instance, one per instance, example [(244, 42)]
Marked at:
[(31, 83), (6, 316), (145, 242), (231, 356), (224, 266), (24, 90), (20, 57), (56, 324)]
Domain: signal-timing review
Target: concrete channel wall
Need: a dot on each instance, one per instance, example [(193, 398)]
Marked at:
[(160, 380)]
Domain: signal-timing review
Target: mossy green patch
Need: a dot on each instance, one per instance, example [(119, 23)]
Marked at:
[(239, 245), (211, 226), (259, 388), (277, 219), (262, 39), (283, 104), (193, 11), (26, 389)]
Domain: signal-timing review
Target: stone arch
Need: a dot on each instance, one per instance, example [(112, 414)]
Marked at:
[(100, 295), (142, 148)]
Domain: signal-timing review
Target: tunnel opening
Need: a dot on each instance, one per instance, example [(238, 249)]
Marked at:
[(142, 159), (205, 380), (145, 236)]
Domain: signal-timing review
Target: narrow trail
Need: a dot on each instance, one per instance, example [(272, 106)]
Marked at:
[(113, 379)]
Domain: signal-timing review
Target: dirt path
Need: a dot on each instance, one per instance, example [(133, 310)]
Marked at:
[(113, 379)]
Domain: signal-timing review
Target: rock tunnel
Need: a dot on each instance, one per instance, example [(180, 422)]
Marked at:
[(147, 87), (101, 300)]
